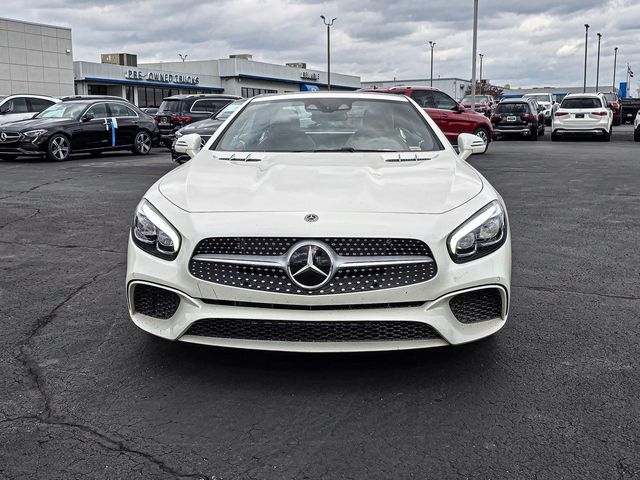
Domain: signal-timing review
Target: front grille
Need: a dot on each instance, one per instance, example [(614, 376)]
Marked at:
[(155, 302), (312, 331), (286, 306), (346, 279), (9, 137), (477, 306), (349, 280), (342, 246)]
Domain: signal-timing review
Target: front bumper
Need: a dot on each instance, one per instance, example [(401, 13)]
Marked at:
[(426, 302), (29, 149)]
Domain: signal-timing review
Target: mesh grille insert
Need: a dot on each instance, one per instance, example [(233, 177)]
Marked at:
[(312, 331), (155, 302), (477, 306), (342, 246)]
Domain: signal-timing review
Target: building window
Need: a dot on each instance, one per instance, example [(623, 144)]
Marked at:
[(97, 89), (252, 92)]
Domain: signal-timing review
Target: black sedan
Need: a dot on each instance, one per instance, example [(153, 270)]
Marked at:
[(80, 125), (205, 128)]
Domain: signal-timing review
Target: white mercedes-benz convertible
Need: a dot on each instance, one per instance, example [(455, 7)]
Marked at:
[(322, 222)]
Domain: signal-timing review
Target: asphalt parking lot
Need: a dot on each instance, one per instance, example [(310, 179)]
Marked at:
[(554, 395)]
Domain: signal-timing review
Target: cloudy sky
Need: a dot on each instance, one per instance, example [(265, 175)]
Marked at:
[(525, 43)]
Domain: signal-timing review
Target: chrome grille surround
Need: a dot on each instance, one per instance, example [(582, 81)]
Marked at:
[(359, 264), (9, 137)]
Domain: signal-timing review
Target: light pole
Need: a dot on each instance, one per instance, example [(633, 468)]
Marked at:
[(481, 55), (474, 53), (432, 45), (615, 60), (328, 25), (183, 57), (598, 63), (586, 40)]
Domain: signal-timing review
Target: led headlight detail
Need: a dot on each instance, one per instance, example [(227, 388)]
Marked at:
[(482, 234), (153, 233), (34, 133)]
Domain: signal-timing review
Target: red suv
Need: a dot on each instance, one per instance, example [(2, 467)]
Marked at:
[(452, 118)]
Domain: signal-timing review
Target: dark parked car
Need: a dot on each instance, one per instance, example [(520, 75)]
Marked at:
[(518, 116), (205, 128), (452, 118), (485, 104), (179, 110), (80, 125)]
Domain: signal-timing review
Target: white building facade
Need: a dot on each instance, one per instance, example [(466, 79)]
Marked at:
[(35, 58)]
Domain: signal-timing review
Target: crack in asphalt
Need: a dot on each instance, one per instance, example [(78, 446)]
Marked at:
[(46, 415), (576, 292), (22, 192), (53, 245), (21, 219)]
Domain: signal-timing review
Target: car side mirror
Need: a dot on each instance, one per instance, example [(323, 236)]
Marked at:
[(88, 116), (189, 144), (469, 144), (460, 109)]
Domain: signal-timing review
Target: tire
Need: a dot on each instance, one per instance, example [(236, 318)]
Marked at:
[(541, 133), (636, 135), (607, 136), (142, 143), (484, 135), (534, 135), (59, 148), (555, 137)]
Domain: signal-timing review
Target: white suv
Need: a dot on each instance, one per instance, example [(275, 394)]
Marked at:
[(583, 114), (21, 107), (636, 127), (546, 101)]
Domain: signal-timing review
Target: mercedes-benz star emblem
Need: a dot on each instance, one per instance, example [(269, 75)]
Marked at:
[(310, 265), (3, 137), (312, 217)]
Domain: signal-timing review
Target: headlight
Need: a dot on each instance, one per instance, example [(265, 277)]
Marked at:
[(482, 234), (153, 233), (178, 133), (34, 133)]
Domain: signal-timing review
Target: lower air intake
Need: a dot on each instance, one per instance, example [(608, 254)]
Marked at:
[(477, 306), (155, 302), (312, 331)]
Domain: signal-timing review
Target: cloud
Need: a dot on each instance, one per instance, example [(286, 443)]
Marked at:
[(524, 43)]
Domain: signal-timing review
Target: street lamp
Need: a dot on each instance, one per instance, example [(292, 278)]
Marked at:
[(328, 25), (615, 60), (598, 64), (432, 44), (183, 57), (481, 55), (586, 40), (474, 53)]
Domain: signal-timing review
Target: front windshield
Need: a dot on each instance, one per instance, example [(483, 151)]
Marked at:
[(62, 110), (479, 99), (540, 98), (229, 109), (328, 124)]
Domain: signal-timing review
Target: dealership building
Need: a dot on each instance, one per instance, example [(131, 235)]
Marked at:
[(35, 58), (146, 84)]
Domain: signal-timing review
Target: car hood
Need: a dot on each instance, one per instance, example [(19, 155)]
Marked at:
[(315, 182), (35, 123), (207, 126)]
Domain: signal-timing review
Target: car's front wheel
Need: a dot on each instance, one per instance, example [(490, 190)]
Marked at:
[(59, 148), (142, 143), (484, 135)]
